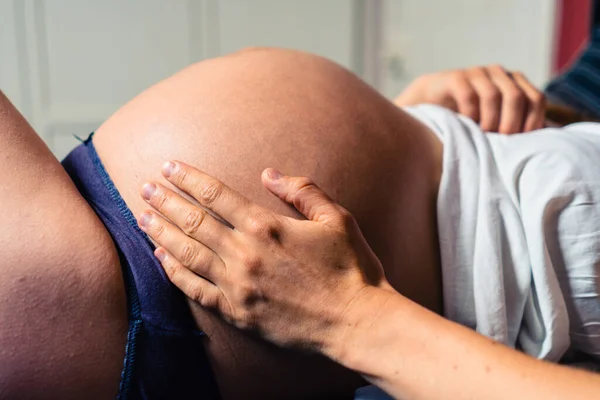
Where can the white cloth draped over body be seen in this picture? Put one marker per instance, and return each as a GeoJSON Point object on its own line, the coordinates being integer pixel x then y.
{"type": "Point", "coordinates": [519, 232]}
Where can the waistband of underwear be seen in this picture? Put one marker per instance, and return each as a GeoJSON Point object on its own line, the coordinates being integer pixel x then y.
{"type": "Point", "coordinates": [155, 307]}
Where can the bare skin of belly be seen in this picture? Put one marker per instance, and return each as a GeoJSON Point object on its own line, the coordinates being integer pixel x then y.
{"type": "Point", "coordinates": [234, 116]}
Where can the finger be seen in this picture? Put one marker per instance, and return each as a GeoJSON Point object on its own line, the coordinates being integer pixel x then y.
{"type": "Point", "coordinates": [536, 103]}
{"type": "Point", "coordinates": [464, 96]}
{"type": "Point", "coordinates": [490, 99]}
{"type": "Point", "coordinates": [193, 286]}
{"type": "Point", "coordinates": [209, 192]}
{"type": "Point", "coordinates": [514, 106]}
{"type": "Point", "coordinates": [303, 194]}
{"type": "Point", "coordinates": [188, 252]}
{"type": "Point", "coordinates": [191, 219]}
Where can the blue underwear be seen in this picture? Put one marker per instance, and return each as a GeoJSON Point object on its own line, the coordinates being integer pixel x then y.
{"type": "Point", "coordinates": [164, 356]}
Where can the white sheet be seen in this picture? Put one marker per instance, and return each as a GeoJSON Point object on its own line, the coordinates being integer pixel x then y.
{"type": "Point", "coordinates": [519, 229]}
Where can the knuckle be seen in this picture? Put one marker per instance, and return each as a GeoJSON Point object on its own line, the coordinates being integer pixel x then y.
{"type": "Point", "coordinates": [209, 192]}
{"type": "Point", "coordinates": [467, 96]}
{"type": "Point", "coordinates": [193, 221]}
{"type": "Point", "coordinates": [245, 291]}
{"type": "Point", "coordinates": [514, 97]}
{"type": "Point", "coordinates": [209, 301]}
{"type": "Point", "coordinates": [246, 319]}
{"type": "Point", "coordinates": [180, 175]}
{"type": "Point", "coordinates": [249, 296]}
{"type": "Point", "coordinates": [303, 187]}
{"type": "Point", "coordinates": [196, 294]}
{"type": "Point", "coordinates": [252, 263]}
{"type": "Point", "coordinates": [188, 255]}
{"type": "Point", "coordinates": [264, 227]}
{"type": "Point", "coordinates": [161, 198]}
{"type": "Point", "coordinates": [480, 70]}
{"type": "Point", "coordinates": [458, 80]}
{"type": "Point", "coordinates": [257, 226]}
{"type": "Point", "coordinates": [492, 95]}
{"type": "Point", "coordinates": [172, 271]}
{"type": "Point", "coordinates": [345, 218]}
{"type": "Point", "coordinates": [303, 183]}
{"type": "Point", "coordinates": [462, 91]}
{"type": "Point", "coordinates": [203, 258]}
{"type": "Point", "coordinates": [518, 74]}
{"type": "Point", "coordinates": [158, 231]}
{"type": "Point", "coordinates": [457, 77]}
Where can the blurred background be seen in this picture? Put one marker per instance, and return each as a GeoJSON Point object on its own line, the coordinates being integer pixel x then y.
{"type": "Point", "coordinates": [69, 64]}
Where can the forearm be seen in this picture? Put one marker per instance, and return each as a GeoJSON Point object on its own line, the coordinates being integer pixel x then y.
{"type": "Point", "coordinates": [412, 353]}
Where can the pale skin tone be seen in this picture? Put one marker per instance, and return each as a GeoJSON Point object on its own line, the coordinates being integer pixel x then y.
{"type": "Point", "coordinates": [316, 283]}
{"type": "Point", "coordinates": [499, 100]}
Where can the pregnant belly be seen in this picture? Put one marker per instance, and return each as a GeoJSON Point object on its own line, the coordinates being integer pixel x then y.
{"type": "Point", "coordinates": [235, 116]}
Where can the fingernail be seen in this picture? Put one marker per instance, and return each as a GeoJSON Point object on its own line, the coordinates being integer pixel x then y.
{"type": "Point", "coordinates": [160, 255]}
{"type": "Point", "coordinates": [168, 168]}
{"type": "Point", "coordinates": [274, 174]}
{"type": "Point", "coordinates": [148, 190]}
{"type": "Point", "coordinates": [145, 219]}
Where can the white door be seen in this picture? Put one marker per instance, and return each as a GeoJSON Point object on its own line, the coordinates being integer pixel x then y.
{"type": "Point", "coordinates": [421, 36]}
{"type": "Point", "coordinates": [69, 64]}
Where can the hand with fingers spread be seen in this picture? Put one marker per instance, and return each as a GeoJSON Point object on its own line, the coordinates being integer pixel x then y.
{"type": "Point", "coordinates": [291, 280]}
{"type": "Point", "coordinates": [316, 284]}
{"type": "Point", "coordinates": [500, 101]}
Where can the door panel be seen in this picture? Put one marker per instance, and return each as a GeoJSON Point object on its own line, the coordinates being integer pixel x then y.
{"type": "Point", "coordinates": [69, 64]}
{"type": "Point", "coordinates": [423, 36]}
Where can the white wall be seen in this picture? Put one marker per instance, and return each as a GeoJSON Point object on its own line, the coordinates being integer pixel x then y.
{"type": "Point", "coordinates": [69, 64]}
{"type": "Point", "coordinates": [319, 26]}
{"type": "Point", "coordinates": [432, 35]}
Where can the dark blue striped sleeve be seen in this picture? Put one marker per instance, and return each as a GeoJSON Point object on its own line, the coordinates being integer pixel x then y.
{"type": "Point", "coordinates": [579, 86]}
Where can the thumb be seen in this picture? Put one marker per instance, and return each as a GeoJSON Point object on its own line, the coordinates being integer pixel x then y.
{"type": "Point", "coordinates": [303, 194]}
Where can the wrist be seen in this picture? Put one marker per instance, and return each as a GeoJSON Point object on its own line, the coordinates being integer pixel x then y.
{"type": "Point", "coordinates": [355, 323]}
